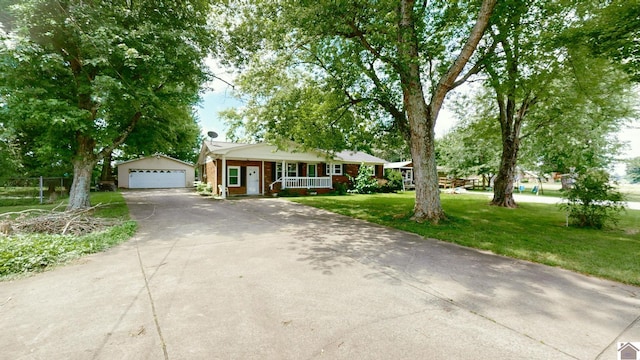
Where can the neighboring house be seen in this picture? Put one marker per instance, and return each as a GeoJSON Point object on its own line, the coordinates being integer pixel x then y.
{"type": "Point", "coordinates": [406, 169]}
{"type": "Point", "coordinates": [157, 171]}
{"type": "Point", "coordinates": [260, 169]}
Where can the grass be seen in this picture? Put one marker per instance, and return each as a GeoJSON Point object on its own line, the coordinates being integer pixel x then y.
{"type": "Point", "coordinates": [29, 253]}
{"type": "Point", "coordinates": [534, 232]}
{"type": "Point", "coordinates": [27, 196]}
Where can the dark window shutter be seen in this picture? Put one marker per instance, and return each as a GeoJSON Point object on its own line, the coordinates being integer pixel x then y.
{"type": "Point", "coordinates": [344, 169]}
{"type": "Point", "coordinates": [273, 171]}
{"type": "Point", "coordinates": [243, 176]}
{"type": "Point", "coordinates": [377, 173]}
{"type": "Point", "coordinates": [321, 169]}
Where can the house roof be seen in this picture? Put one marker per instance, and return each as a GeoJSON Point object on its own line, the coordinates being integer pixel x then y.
{"type": "Point", "coordinates": [156, 155]}
{"type": "Point", "coordinates": [358, 157]}
{"type": "Point", "coordinates": [221, 146]}
{"type": "Point", "coordinates": [399, 165]}
{"type": "Point", "coordinates": [264, 151]}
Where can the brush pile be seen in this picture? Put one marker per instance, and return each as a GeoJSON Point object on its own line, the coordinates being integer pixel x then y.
{"type": "Point", "coordinates": [78, 222]}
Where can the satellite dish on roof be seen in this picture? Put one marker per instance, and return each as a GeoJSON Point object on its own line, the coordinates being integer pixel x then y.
{"type": "Point", "coordinates": [212, 134]}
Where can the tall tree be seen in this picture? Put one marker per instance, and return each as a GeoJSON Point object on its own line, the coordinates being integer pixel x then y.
{"type": "Point", "coordinates": [397, 58]}
{"type": "Point", "coordinates": [85, 74]}
{"type": "Point", "coordinates": [539, 80]}
{"type": "Point", "coordinates": [582, 120]}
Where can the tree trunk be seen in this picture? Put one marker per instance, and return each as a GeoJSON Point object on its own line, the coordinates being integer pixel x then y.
{"type": "Point", "coordinates": [83, 165]}
{"type": "Point", "coordinates": [81, 186]}
{"type": "Point", "coordinates": [105, 174]}
{"type": "Point", "coordinates": [427, 205]}
{"type": "Point", "coordinates": [422, 117]}
{"type": "Point", "coordinates": [503, 184]}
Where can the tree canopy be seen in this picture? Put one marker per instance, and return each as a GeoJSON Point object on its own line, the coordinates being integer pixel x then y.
{"type": "Point", "coordinates": [77, 78]}
{"type": "Point", "coordinates": [333, 74]}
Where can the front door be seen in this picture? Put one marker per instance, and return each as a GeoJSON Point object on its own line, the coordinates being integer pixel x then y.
{"type": "Point", "coordinates": [253, 180]}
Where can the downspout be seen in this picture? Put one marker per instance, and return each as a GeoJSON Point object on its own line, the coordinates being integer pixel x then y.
{"type": "Point", "coordinates": [224, 177]}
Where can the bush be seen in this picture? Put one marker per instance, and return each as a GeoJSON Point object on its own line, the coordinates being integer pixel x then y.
{"type": "Point", "coordinates": [340, 188]}
{"type": "Point", "coordinates": [364, 182]}
{"type": "Point", "coordinates": [592, 201]}
{"type": "Point", "coordinates": [394, 180]}
{"type": "Point", "coordinates": [204, 188]}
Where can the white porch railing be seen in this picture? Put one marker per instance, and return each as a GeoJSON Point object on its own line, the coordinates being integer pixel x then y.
{"type": "Point", "coordinates": [304, 183]}
{"type": "Point", "coordinates": [307, 182]}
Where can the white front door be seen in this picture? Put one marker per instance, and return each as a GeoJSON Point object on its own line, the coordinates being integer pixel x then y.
{"type": "Point", "coordinates": [253, 180]}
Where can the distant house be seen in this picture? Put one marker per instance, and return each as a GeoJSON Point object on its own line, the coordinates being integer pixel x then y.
{"type": "Point", "coordinates": [406, 169]}
{"type": "Point", "coordinates": [261, 169]}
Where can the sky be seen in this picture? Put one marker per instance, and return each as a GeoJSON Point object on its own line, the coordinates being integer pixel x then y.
{"type": "Point", "coordinates": [220, 97]}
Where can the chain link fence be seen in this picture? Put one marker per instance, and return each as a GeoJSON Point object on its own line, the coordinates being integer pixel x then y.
{"type": "Point", "coordinates": [27, 191]}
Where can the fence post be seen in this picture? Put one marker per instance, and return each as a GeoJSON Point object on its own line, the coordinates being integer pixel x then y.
{"type": "Point", "coordinates": [40, 189]}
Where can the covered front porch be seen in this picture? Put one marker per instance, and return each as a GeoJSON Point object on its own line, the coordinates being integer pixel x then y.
{"type": "Point", "coordinates": [300, 175]}
{"type": "Point", "coordinates": [250, 177]}
{"type": "Point", "coordinates": [303, 182]}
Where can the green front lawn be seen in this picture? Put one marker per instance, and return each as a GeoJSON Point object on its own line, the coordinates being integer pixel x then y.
{"type": "Point", "coordinates": [35, 252]}
{"type": "Point", "coordinates": [534, 232]}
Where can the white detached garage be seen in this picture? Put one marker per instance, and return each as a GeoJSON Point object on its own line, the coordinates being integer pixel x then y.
{"type": "Point", "coordinates": [155, 172]}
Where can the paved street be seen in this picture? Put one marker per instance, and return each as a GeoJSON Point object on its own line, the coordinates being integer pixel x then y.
{"type": "Point", "coordinates": [269, 279]}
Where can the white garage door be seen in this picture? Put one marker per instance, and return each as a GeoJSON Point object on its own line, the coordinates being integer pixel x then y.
{"type": "Point", "coordinates": [154, 179]}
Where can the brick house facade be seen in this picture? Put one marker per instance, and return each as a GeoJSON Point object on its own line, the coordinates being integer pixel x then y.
{"type": "Point", "coordinates": [257, 169]}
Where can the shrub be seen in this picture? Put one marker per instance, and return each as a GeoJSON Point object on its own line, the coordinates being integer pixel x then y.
{"type": "Point", "coordinates": [592, 201]}
{"type": "Point", "coordinates": [394, 180]}
{"type": "Point", "coordinates": [340, 188]}
{"type": "Point", "coordinates": [364, 182]}
{"type": "Point", "coordinates": [204, 188]}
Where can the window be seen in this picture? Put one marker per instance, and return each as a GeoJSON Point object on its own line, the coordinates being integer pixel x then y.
{"type": "Point", "coordinates": [233, 176]}
{"type": "Point", "coordinates": [334, 169]}
{"type": "Point", "coordinates": [372, 169]}
{"type": "Point", "coordinates": [312, 170]}
{"type": "Point", "coordinates": [292, 170]}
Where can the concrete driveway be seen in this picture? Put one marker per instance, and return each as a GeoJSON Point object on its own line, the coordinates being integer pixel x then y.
{"type": "Point", "coordinates": [269, 279]}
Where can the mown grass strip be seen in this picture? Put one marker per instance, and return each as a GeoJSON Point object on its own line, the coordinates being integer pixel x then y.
{"type": "Point", "coordinates": [534, 232]}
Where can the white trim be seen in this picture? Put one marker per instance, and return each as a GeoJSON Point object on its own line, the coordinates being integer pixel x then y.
{"type": "Point", "coordinates": [285, 165]}
{"type": "Point", "coordinates": [239, 176]}
{"type": "Point", "coordinates": [330, 169]}
{"type": "Point", "coordinates": [224, 177]}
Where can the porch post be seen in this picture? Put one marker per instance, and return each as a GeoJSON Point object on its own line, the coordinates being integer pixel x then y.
{"type": "Point", "coordinates": [284, 174]}
{"type": "Point", "coordinates": [224, 177]}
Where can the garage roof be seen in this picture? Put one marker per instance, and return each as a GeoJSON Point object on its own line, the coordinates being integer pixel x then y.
{"type": "Point", "coordinates": [156, 156]}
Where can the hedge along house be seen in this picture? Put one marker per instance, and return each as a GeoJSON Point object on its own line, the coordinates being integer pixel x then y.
{"type": "Point", "coordinates": [153, 172]}
{"type": "Point", "coordinates": [261, 169]}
